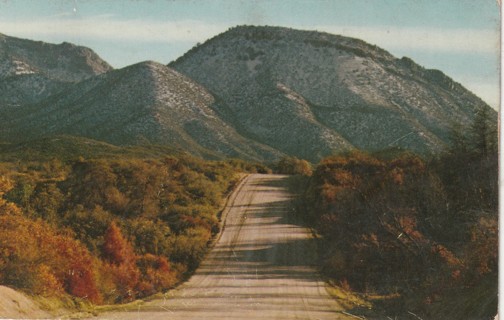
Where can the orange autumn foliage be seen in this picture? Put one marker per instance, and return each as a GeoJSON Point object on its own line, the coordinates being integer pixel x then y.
{"type": "Point", "coordinates": [120, 263]}
{"type": "Point", "coordinates": [157, 274]}
{"type": "Point", "coordinates": [116, 249]}
{"type": "Point", "coordinates": [6, 207]}
{"type": "Point", "coordinates": [108, 230]}
{"type": "Point", "coordinates": [35, 258]}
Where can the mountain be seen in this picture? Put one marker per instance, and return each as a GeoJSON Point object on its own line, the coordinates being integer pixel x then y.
{"type": "Point", "coordinates": [146, 103]}
{"type": "Point", "coordinates": [310, 94]}
{"type": "Point", "coordinates": [258, 93]}
{"type": "Point", "coordinates": [32, 70]}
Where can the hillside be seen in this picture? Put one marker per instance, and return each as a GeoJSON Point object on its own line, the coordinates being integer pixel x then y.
{"type": "Point", "coordinates": [63, 62]}
{"type": "Point", "coordinates": [147, 103]}
{"type": "Point", "coordinates": [257, 93]}
{"type": "Point", "coordinates": [33, 70]}
{"type": "Point", "coordinates": [310, 94]}
{"type": "Point", "coordinates": [67, 148]}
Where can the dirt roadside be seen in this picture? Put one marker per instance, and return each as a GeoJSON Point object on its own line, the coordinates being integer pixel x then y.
{"type": "Point", "coordinates": [16, 305]}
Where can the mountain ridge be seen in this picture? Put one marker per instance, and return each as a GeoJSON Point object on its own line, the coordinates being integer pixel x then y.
{"type": "Point", "coordinates": [253, 92]}
{"type": "Point", "coordinates": [343, 81]}
{"type": "Point", "coordinates": [31, 71]}
{"type": "Point", "coordinates": [64, 62]}
{"type": "Point", "coordinates": [145, 103]}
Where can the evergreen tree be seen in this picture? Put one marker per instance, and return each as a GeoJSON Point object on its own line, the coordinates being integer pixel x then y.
{"type": "Point", "coordinates": [484, 133]}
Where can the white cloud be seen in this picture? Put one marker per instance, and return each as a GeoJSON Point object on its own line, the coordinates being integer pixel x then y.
{"type": "Point", "coordinates": [426, 39]}
{"type": "Point", "coordinates": [106, 27]}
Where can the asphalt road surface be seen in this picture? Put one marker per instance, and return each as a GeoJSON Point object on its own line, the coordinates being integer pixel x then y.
{"type": "Point", "coordinates": [262, 266]}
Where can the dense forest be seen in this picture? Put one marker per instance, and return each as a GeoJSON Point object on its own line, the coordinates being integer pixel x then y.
{"type": "Point", "coordinates": [422, 235]}
{"type": "Point", "coordinates": [413, 235]}
{"type": "Point", "coordinates": [109, 230]}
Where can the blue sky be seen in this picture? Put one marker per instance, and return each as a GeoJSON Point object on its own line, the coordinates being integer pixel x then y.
{"type": "Point", "coordinates": [459, 37]}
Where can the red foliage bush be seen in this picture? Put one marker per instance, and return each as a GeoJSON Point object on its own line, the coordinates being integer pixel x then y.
{"type": "Point", "coordinates": [37, 259]}
{"type": "Point", "coordinates": [157, 274]}
{"type": "Point", "coordinates": [116, 249]}
{"type": "Point", "coordinates": [120, 263]}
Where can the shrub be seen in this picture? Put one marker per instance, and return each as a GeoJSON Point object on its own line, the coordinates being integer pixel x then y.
{"type": "Point", "coordinates": [400, 226]}
{"type": "Point", "coordinates": [36, 259]}
{"type": "Point", "coordinates": [292, 165]}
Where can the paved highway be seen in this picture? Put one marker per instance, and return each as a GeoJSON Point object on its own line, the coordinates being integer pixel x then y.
{"type": "Point", "coordinates": [262, 266]}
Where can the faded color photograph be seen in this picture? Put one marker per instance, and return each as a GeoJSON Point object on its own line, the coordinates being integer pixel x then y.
{"type": "Point", "coordinates": [249, 159]}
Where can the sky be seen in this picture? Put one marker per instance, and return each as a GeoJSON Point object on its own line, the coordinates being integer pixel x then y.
{"type": "Point", "coordinates": [459, 37]}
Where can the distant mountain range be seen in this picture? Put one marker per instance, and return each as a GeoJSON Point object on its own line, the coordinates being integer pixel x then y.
{"type": "Point", "coordinates": [252, 92]}
{"type": "Point", "coordinates": [32, 70]}
{"type": "Point", "coordinates": [146, 103]}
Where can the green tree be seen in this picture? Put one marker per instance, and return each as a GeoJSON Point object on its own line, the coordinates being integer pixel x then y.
{"type": "Point", "coordinates": [459, 142]}
{"type": "Point", "coordinates": [484, 133]}
{"type": "Point", "coordinates": [46, 201]}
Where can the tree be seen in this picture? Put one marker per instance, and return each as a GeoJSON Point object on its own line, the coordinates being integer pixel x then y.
{"type": "Point", "coordinates": [484, 133]}
{"type": "Point", "coordinates": [35, 257]}
{"type": "Point", "coordinates": [6, 207]}
{"type": "Point", "coordinates": [116, 249]}
{"type": "Point", "coordinates": [46, 200]}
{"type": "Point", "coordinates": [122, 268]}
{"type": "Point", "coordinates": [458, 140]}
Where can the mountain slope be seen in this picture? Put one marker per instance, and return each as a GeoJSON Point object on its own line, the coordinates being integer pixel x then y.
{"type": "Point", "coordinates": [251, 92]}
{"type": "Point", "coordinates": [34, 70]}
{"type": "Point", "coordinates": [309, 94]}
{"type": "Point", "coordinates": [64, 147]}
{"type": "Point", "coordinates": [147, 103]}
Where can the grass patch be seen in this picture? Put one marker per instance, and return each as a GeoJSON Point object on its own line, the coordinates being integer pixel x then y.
{"type": "Point", "coordinates": [65, 307]}
{"type": "Point", "coordinates": [348, 299]}
{"type": "Point", "coordinates": [364, 306]}
{"type": "Point", "coordinates": [130, 306]}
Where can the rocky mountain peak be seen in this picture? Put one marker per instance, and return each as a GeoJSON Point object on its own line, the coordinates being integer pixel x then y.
{"type": "Point", "coordinates": [336, 91]}
{"type": "Point", "coordinates": [33, 70]}
{"type": "Point", "coordinates": [64, 62]}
